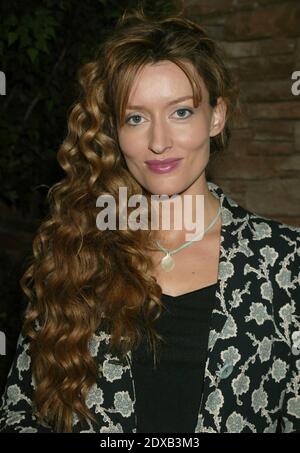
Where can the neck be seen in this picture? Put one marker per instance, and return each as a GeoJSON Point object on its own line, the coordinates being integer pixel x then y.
{"type": "Point", "coordinates": [172, 238]}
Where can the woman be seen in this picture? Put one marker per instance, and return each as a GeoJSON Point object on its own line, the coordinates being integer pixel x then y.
{"type": "Point", "coordinates": [146, 330]}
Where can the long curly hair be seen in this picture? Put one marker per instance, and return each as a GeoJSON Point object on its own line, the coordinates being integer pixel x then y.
{"type": "Point", "coordinates": [79, 278]}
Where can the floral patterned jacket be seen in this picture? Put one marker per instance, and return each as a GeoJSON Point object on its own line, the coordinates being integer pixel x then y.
{"type": "Point", "coordinates": [252, 372]}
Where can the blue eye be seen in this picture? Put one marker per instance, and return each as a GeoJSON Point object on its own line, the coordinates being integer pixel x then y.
{"type": "Point", "coordinates": [133, 116]}
{"type": "Point", "coordinates": [184, 110]}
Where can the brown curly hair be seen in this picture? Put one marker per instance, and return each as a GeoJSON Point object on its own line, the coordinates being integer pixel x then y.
{"type": "Point", "coordinates": [81, 279]}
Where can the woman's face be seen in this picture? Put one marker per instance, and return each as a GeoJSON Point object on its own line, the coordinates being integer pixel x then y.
{"type": "Point", "coordinates": [160, 125]}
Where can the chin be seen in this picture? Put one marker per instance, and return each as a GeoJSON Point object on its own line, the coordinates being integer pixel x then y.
{"type": "Point", "coordinates": [167, 191]}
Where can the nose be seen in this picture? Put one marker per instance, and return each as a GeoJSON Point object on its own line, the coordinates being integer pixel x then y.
{"type": "Point", "coordinates": [160, 138]}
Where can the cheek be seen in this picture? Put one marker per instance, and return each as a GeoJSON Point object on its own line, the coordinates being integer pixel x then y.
{"type": "Point", "coordinates": [193, 137]}
{"type": "Point", "coordinates": [129, 144]}
{"type": "Point", "coordinates": [197, 129]}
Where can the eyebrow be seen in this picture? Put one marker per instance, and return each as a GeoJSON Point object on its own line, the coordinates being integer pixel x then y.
{"type": "Point", "coordinates": [175, 101]}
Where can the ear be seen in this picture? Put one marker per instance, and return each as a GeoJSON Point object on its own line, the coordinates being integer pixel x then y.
{"type": "Point", "coordinates": [218, 118]}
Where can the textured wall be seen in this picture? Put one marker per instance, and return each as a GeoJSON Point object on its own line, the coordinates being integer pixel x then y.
{"type": "Point", "coordinates": [261, 169]}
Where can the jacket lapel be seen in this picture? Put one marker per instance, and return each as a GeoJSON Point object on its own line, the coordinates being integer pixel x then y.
{"type": "Point", "coordinates": [221, 360]}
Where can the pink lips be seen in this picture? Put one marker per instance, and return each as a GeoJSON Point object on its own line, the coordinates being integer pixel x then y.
{"type": "Point", "coordinates": [163, 166]}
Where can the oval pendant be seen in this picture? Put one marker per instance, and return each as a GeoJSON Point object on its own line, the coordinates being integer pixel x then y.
{"type": "Point", "coordinates": [167, 263]}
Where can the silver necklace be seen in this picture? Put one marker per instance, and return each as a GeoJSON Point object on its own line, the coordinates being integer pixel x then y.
{"type": "Point", "coordinates": [167, 263]}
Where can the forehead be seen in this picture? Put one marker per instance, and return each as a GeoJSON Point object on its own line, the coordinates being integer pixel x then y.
{"type": "Point", "coordinates": [161, 81]}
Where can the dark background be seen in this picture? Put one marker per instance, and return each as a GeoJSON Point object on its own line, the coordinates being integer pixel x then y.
{"type": "Point", "coordinates": [42, 45]}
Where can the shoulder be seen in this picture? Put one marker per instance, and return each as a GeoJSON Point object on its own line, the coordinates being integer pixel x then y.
{"type": "Point", "coordinates": [271, 249]}
{"type": "Point", "coordinates": [261, 230]}
{"type": "Point", "coordinates": [273, 267]}
{"type": "Point", "coordinates": [276, 248]}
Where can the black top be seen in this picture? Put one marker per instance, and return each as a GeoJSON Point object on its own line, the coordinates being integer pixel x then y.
{"type": "Point", "coordinates": [168, 397]}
